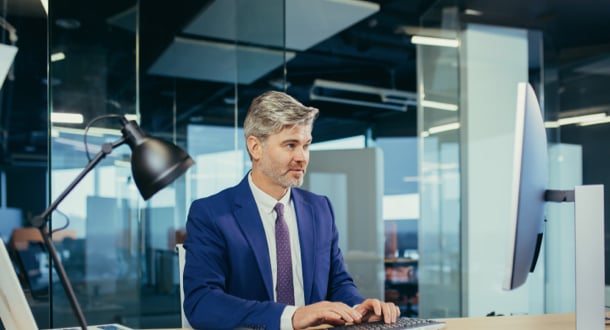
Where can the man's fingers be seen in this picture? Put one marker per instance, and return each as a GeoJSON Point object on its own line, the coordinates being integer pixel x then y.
{"type": "Point", "coordinates": [348, 314]}
{"type": "Point", "coordinates": [334, 313]}
{"type": "Point", "coordinates": [378, 307]}
{"type": "Point", "coordinates": [390, 312]}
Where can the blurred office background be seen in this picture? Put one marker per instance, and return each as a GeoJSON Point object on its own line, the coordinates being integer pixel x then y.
{"type": "Point", "coordinates": [413, 144]}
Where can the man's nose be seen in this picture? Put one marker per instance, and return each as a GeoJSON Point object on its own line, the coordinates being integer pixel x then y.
{"type": "Point", "coordinates": [301, 154]}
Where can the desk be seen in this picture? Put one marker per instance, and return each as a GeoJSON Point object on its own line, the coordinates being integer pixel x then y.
{"type": "Point", "coordinates": [520, 322]}
{"type": "Point", "coordinates": [517, 322]}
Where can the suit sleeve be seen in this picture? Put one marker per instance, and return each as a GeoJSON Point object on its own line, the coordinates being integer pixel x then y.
{"type": "Point", "coordinates": [207, 303]}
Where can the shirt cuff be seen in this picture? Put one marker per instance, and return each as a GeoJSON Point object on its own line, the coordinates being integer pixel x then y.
{"type": "Point", "coordinates": [286, 318]}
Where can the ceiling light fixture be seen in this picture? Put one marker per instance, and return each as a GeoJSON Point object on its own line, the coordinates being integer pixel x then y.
{"type": "Point", "coordinates": [473, 12]}
{"type": "Point", "coordinates": [443, 128]}
{"type": "Point", "coordinates": [581, 119]}
{"type": "Point", "coordinates": [433, 41]}
{"type": "Point", "coordinates": [59, 56]}
{"type": "Point", "coordinates": [93, 131]}
{"type": "Point", "coordinates": [551, 124]}
{"type": "Point", "coordinates": [603, 120]}
{"type": "Point", "coordinates": [439, 105]}
{"type": "Point", "coordinates": [132, 117]}
{"type": "Point", "coordinates": [376, 97]}
{"type": "Point", "coordinates": [66, 118]}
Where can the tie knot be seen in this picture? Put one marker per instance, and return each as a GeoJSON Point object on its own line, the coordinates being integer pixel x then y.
{"type": "Point", "coordinates": [279, 208]}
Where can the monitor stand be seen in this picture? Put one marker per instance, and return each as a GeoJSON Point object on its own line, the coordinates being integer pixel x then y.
{"type": "Point", "coordinates": [589, 244]}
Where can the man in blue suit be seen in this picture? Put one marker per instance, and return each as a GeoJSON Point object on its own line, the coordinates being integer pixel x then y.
{"type": "Point", "coordinates": [236, 274]}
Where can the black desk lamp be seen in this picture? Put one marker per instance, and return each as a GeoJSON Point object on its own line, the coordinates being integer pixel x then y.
{"type": "Point", "coordinates": [154, 164]}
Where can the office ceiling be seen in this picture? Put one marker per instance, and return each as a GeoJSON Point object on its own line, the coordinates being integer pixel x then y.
{"type": "Point", "coordinates": [188, 54]}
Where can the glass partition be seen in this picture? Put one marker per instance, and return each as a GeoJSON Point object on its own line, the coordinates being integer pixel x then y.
{"type": "Point", "coordinates": [439, 112]}
{"type": "Point", "coordinates": [580, 129]}
{"type": "Point", "coordinates": [178, 74]}
{"type": "Point", "coordinates": [102, 220]}
{"type": "Point", "coordinates": [466, 116]}
{"type": "Point", "coordinates": [253, 42]}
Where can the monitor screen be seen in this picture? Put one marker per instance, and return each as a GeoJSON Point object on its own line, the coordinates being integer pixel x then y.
{"type": "Point", "coordinates": [529, 184]}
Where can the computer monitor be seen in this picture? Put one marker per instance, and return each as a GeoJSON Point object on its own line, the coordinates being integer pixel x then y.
{"type": "Point", "coordinates": [530, 179]}
{"type": "Point", "coordinates": [15, 313]}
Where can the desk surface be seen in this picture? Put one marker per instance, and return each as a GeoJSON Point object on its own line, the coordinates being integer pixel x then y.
{"type": "Point", "coordinates": [521, 322]}
{"type": "Point", "coordinates": [516, 322]}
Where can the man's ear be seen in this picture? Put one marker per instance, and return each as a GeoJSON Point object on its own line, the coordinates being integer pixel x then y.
{"type": "Point", "coordinates": [254, 147]}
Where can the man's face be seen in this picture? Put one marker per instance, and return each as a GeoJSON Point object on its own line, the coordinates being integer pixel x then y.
{"type": "Point", "coordinates": [283, 157]}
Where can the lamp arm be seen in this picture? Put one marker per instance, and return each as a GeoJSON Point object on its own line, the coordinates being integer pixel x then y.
{"type": "Point", "coordinates": [41, 220]}
{"type": "Point", "coordinates": [65, 282]}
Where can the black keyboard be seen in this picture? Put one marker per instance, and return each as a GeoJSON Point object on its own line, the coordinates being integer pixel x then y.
{"type": "Point", "coordinates": [401, 323]}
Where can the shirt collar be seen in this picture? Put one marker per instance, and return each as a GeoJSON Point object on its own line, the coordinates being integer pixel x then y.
{"type": "Point", "coordinates": [264, 201]}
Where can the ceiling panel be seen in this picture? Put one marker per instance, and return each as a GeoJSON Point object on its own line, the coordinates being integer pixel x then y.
{"type": "Point", "coordinates": [216, 61]}
{"type": "Point", "coordinates": [308, 22]}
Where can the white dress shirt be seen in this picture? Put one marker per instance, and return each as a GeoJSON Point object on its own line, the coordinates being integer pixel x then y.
{"type": "Point", "coordinates": [266, 204]}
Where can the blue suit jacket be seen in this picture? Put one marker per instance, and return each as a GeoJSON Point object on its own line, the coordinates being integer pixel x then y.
{"type": "Point", "coordinates": [227, 275]}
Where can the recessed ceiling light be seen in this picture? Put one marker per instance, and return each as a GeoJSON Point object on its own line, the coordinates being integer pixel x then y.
{"type": "Point", "coordinates": [439, 105]}
{"type": "Point", "coordinates": [433, 41]}
{"type": "Point", "coordinates": [68, 23]}
{"type": "Point", "coordinates": [581, 119]}
{"type": "Point", "coordinates": [473, 12]}
{"type": "Point", "coordinates": [444, 128]}
{"type": "Point", "coordinates": [66, 118]}
{"type": "Point", "coordinates": [56, 57]}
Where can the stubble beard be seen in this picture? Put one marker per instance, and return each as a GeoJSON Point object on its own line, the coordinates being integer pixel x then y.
{"type": "Point", "coordinates": [281, 177]}
{"type": "Point", "coordinates": [286, 181]}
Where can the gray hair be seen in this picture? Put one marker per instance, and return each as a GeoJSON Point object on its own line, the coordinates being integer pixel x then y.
{"type": "Point", "coordinates": [273, 111]}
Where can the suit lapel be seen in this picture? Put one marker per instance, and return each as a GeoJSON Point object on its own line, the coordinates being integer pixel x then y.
{"type": "Point", "coordinates": [307, 238]}
{"type": "Point", "coordinates": [249, 220]}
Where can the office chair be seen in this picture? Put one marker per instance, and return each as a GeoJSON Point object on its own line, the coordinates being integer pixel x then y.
{"type": "Point", "coordinates": [181, 251]}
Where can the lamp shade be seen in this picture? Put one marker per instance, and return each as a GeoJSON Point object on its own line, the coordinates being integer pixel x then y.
{"type": "Point", "coordinates": [155, 163]}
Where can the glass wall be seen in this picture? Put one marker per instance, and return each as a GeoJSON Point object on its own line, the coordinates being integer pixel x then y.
{"type": "Point", "coordinates": [439, 129]}
{"type": "Point", "coordinates": [103, 221]}
{"type": "Point", "coordinates": [466, 172]}
{"type": "Point", "coordinates": [580, 125]}
{"type": "Point", "coordinates": [188, 76]}
{"type": "Point", "coordinates": [140, 61]}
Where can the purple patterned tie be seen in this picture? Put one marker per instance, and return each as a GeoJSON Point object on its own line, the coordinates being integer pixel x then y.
{"type": "Point", "coordinates": [285, 288]}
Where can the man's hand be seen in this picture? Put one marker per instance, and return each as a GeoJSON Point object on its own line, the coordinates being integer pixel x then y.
{"type": "Point", "coordinates": [376, 310]}
{"type": "Point", "coordinates": [324, 312]}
